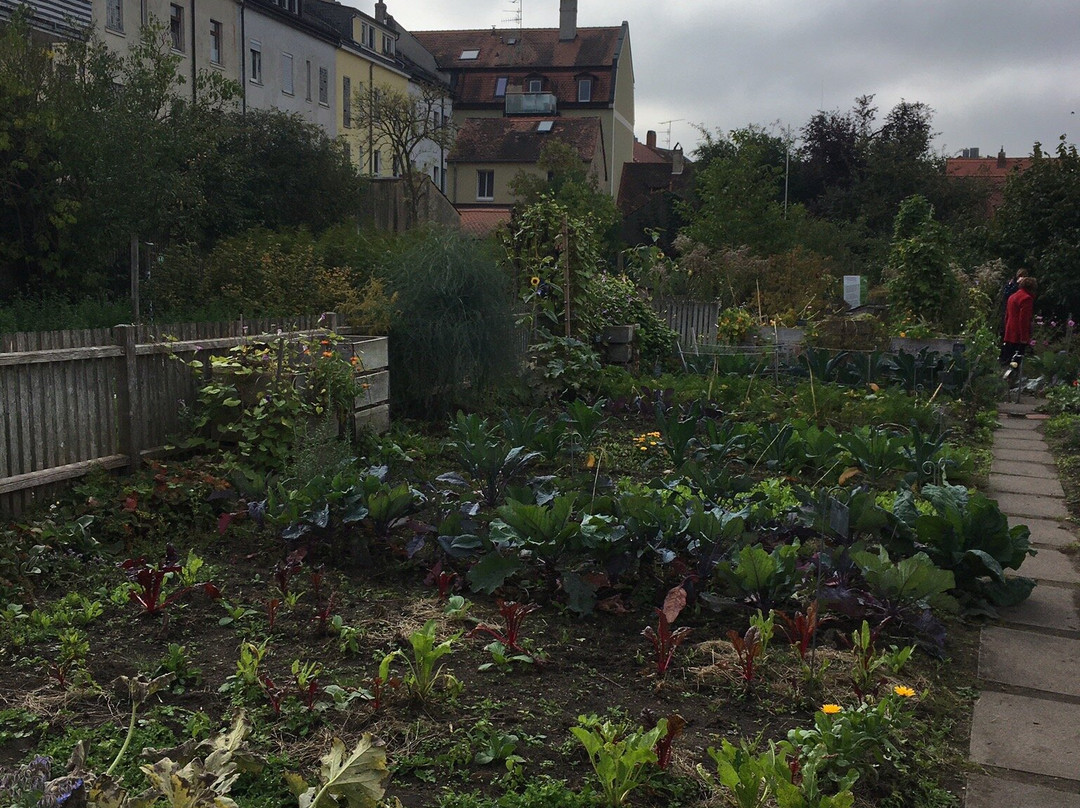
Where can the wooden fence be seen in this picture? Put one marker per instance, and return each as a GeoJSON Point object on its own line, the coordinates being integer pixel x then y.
{"type": "Point", "coordinates": [693, 320]}
{"type": "Point", "coordinates": [74, 400]}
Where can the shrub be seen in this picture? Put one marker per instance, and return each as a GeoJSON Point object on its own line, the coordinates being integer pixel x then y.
{"type": "Point", "coordinates": [615, 300]}
{"type": "Point", "coordinates": [451, 339]}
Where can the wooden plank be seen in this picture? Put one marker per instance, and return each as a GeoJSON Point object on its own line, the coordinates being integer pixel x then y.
{"type": "Point", "coordinates": [36, 479]}
{"type": "Point", "coordinates": [376, 419]}
{"type": "Point", "coordinates": [377, 390]}
{"type": "Point", "coordinates": [30, 357]}
{"type": "Point", "coordinates": [373, 353]}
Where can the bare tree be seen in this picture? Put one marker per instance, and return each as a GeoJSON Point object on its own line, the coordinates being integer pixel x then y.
{"type": "Point", "coordinates": [404, 122]}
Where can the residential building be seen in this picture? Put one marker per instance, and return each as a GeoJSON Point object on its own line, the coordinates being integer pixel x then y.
{"type": "Point", "coordinates": [53, 20]}
{"type": "Point", "coordinates": [554, 74]}
{"type": "Point", "coordinates": [276, 54]}
{"type": "Point", "coordinates": [489, 152]}
{"type": "Point", "coordinates": [994, 171]}
{"type": "Point", "coordinates": [366, 64]}
{"type": "Point", "coordinates": [652, 187]}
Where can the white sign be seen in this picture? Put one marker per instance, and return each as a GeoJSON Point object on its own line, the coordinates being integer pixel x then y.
{"type": "Point", "coordinates": [853, 290]}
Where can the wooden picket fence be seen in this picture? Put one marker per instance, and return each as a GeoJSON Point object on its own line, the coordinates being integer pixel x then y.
{"type": "Point", "coordinates": [693, 320]}
{"type": "Point", "coordinates": [71, 401]}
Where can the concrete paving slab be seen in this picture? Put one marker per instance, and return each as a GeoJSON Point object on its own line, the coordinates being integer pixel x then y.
{"type": "Point", "coordinates": [1018, 440]}
{"type": "Point", "coordinates": [1041, 456]}
{"type": "Point", "coordinates": [985, 791]}
{"type": "Point", "coordinates": [1046, 531]}
{"type": "Point", "coordinates": [1045, 486]}
{"type": "Point", "coordinates": [1026, 734]}
{"type": "Point", "coordinates": [1049, 565]}
{"type": "Point", "coordinates": [1056, 607]}
{"type": "Point", "coordinates": [1012, 424]}
{"type": "Point", "coordinates": [1029, 659]}
{"type": "Point", "coordinates": [1028, 505]}
{"type": "Point", "coordinates": [1023, 469]}
{"type": "Point", "coordinates": [1018, 408]}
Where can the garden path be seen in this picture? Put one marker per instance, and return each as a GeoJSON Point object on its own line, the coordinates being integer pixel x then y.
{"type": "Point", "coordinates": [1026, 728]}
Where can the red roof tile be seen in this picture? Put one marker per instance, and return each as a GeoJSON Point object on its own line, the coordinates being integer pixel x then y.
{"type": "Point", "coordinates": [592, 47]}
{"type": "Point", "coordinates": [482, 221]}
{"type": "Point", "coordinates": [643, 154]}
{"type": "Point", "coordinates": [517, 140]}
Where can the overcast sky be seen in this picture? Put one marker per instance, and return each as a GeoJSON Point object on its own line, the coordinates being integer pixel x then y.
{"type": "Point", "coordinates": [995, 72]}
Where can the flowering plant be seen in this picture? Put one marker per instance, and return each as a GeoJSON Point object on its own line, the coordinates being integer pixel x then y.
{"type": "Point", "coordinates": [733, 326]}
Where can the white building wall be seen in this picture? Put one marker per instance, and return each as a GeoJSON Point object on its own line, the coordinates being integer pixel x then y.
{"type": "Point", "coordinates": [428, 156]}
{"type": "Point", "coordinates": [276, 42]}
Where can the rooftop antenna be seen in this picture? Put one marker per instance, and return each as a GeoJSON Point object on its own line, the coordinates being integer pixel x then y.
{"type": "Point", "coordinates": [667, 135]}
{"type": "Point", "coordinates": [515, 18]}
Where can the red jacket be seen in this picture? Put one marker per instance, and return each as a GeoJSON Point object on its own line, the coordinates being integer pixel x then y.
{"type": "Point", "coordinates": [1018, 311]}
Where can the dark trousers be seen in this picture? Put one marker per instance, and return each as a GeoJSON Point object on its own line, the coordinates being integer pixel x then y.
{"type": "Point", "coordinates": [1011, 349]}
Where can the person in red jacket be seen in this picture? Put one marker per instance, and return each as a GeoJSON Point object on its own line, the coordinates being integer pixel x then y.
{"type": "Point", "coordinates": [1018, 313]}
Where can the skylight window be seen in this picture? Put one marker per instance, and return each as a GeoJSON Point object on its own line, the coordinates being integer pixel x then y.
{"type": "Point", "coordinates": [468, 55]}
{"type": "Point", "coordinates": [500, 86]}
{"type": "Point", "coordinates": [545, 126]}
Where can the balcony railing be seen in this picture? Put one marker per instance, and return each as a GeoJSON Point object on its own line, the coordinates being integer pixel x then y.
{"type": "Point", "coordinates": [530, 104]}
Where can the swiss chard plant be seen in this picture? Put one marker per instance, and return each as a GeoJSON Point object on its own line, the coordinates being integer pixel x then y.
{"type": "Point", "coordinates": [150, 582]}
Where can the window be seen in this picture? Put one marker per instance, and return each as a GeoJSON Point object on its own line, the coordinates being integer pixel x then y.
{"type": "Point", "coordinates": [435, 175]}
{"type": "Point", "coordinates": [584, 90]}
{"type": "Point", "coordinates": [367, 35]}
{"type": "Point", "coordinates": [286, 74]}
{"type": "Point", "coordinates": [346, 101]}
{"type": "Point", "coordinates": [307, 79]}
{"type": "Point", "coordinates": [485, 185]}
{"type": "Point", "coordinates": [545, 126]}
{"type": "Point", "coordinates": [397, 167]}
{"type": "Point", "coordinates": [469, 55]}
{"type": "Point", "coordinates": [500, 87]}
{"type": "Point", "coordinates": [376, 162]}
{"type": "Point", "coordinates": [176, 26]}
{"type": "Point", "coordinates": [535, 86]}
{"type": "Point", "coordinates": [255, 61]}
{"type": "Point", "coordinates": [114, 15]}
{"type": "Point", "coordinates": [388, 44]}
{"type": "Point", "coordinates": [215, 42]}
{"type": "Point", "coordinates": [348, 150]}
{"type": "Point", "coordinates": [324, 86]}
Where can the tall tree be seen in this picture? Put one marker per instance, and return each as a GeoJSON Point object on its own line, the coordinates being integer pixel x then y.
{"type": "Point", "coordinates": [403, 122]}
{"type": "Point", "coordinates": [1038, 225]}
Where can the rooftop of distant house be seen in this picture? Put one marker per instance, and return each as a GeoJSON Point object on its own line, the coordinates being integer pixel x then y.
{"type": "Point", "coordinates": [520, 139]}
{"type": "Point", "coordinates": [971, 164]}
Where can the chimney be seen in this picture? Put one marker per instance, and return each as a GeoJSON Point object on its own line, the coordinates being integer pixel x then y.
{"type": "Point", "coordinates": [567, 20]}
{"type": "Point", "coordinates": [650, 138]}
{"type": "Point", "coordinates": [380, 12]}
{"type": "Point", "coordinates": [677, 162]}
{"type": "Point", "coordinates": [1001, 158]}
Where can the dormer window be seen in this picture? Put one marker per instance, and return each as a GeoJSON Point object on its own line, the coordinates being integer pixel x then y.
{"type": "Point", "coordinates": [584, 89]}
{"type": "Point", "coordinates": [534, 86]}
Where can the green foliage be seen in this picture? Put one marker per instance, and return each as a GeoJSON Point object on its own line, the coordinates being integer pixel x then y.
{"type": "Point", "coordinates": [486, 456]}
{"type": "Point", "coordinates": [913, 581]}
{"type": "Point", "coordinates": [347, 778]}
{"type": "Point", "coordinates": [619, 755]}
{"type": "Point", "coordinates": [763, 578]}
{"type": "Point", "coordinates": [616, 300]}
{"type": "Point", "coordinates": [971, 537]}
{"type": "Point", "coordinates": [558, 367]}
{"type": "Point", "coordinates": [451, 337]}
{"type": "Point", "coordinates": [545, 244]}
{"type": "Point", "coordinates": [424, 665]}
{"type": "Point", "coordinates": [922, 282]}
{"type": "Point", "coordinates": [1036, 225]}
{"type": "Point", "coordinates": [538, 792]}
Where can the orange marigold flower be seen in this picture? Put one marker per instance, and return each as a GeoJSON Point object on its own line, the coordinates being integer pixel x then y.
{"type": "Point", "coordinates": [906, 692]}
{"type": "Point", "coordinates": [831, 709]}
{"type": "Point", "coordinates": [327, 354]}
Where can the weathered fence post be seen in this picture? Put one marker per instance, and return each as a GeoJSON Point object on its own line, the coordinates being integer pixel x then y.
{"type": "Point", "coordinates": [130, 427]}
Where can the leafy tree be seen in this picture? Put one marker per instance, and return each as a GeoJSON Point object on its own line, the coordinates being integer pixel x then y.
{"type": "Point", "coordinates": [403, 122]}
{"type": "Point", "coordinates": [739, 194]}
{"type": "Point", "coordinates": [563, 176]}
{"type": "Point", "coordinates": [1038, 225]}
{"type": "Point", "coordinates": [922, 283]}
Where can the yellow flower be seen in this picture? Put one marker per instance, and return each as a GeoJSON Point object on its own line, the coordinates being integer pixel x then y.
{"type": "Point", "coordinates": [831, 709]}
{"type": "Point", "coordinates": [906, 692]}
{"type": "Point", "coordinates": [590, 461]}
{"type": "Point", "coordinates": [903, 333]}
{"type": "Point", "coordinates": [534, 281]}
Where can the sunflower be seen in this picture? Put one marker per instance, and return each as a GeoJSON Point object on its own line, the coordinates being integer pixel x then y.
{"type": "Point", "coordinates": [534, 281]}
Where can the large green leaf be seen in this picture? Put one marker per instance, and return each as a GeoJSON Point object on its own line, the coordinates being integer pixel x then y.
{"type": "Point", "coordinates": [911, 580]}
{"type": "Point", "coordinates": [355, 779]}
{"type": "Point", "coordinates": [491, 571]}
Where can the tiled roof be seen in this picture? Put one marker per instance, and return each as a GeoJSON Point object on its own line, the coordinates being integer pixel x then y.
{"type": "Point", "coordinates": [640, 181]}
{"type": "Point", "coordinates": [517, 140]}
{"type": "Point", "coordinates": [482, 221]}
{"type": "Point", "coordinates": [532, 47]}
{"type": "Point", "coordinates": [988, 167]}
{"type": "Point", "coordinates": [644, 154]}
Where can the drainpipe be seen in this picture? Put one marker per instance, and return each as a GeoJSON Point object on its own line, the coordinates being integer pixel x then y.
{"type": "Point", "coordinates": [194, 49]}
{"type": "Point", "coordinates": [243, 62]}
{"type": "Point", "coordinates": [371, 123]}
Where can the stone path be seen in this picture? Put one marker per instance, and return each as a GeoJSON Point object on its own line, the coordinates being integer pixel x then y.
{"type": "Point", "coordinates": [1026, 729]}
